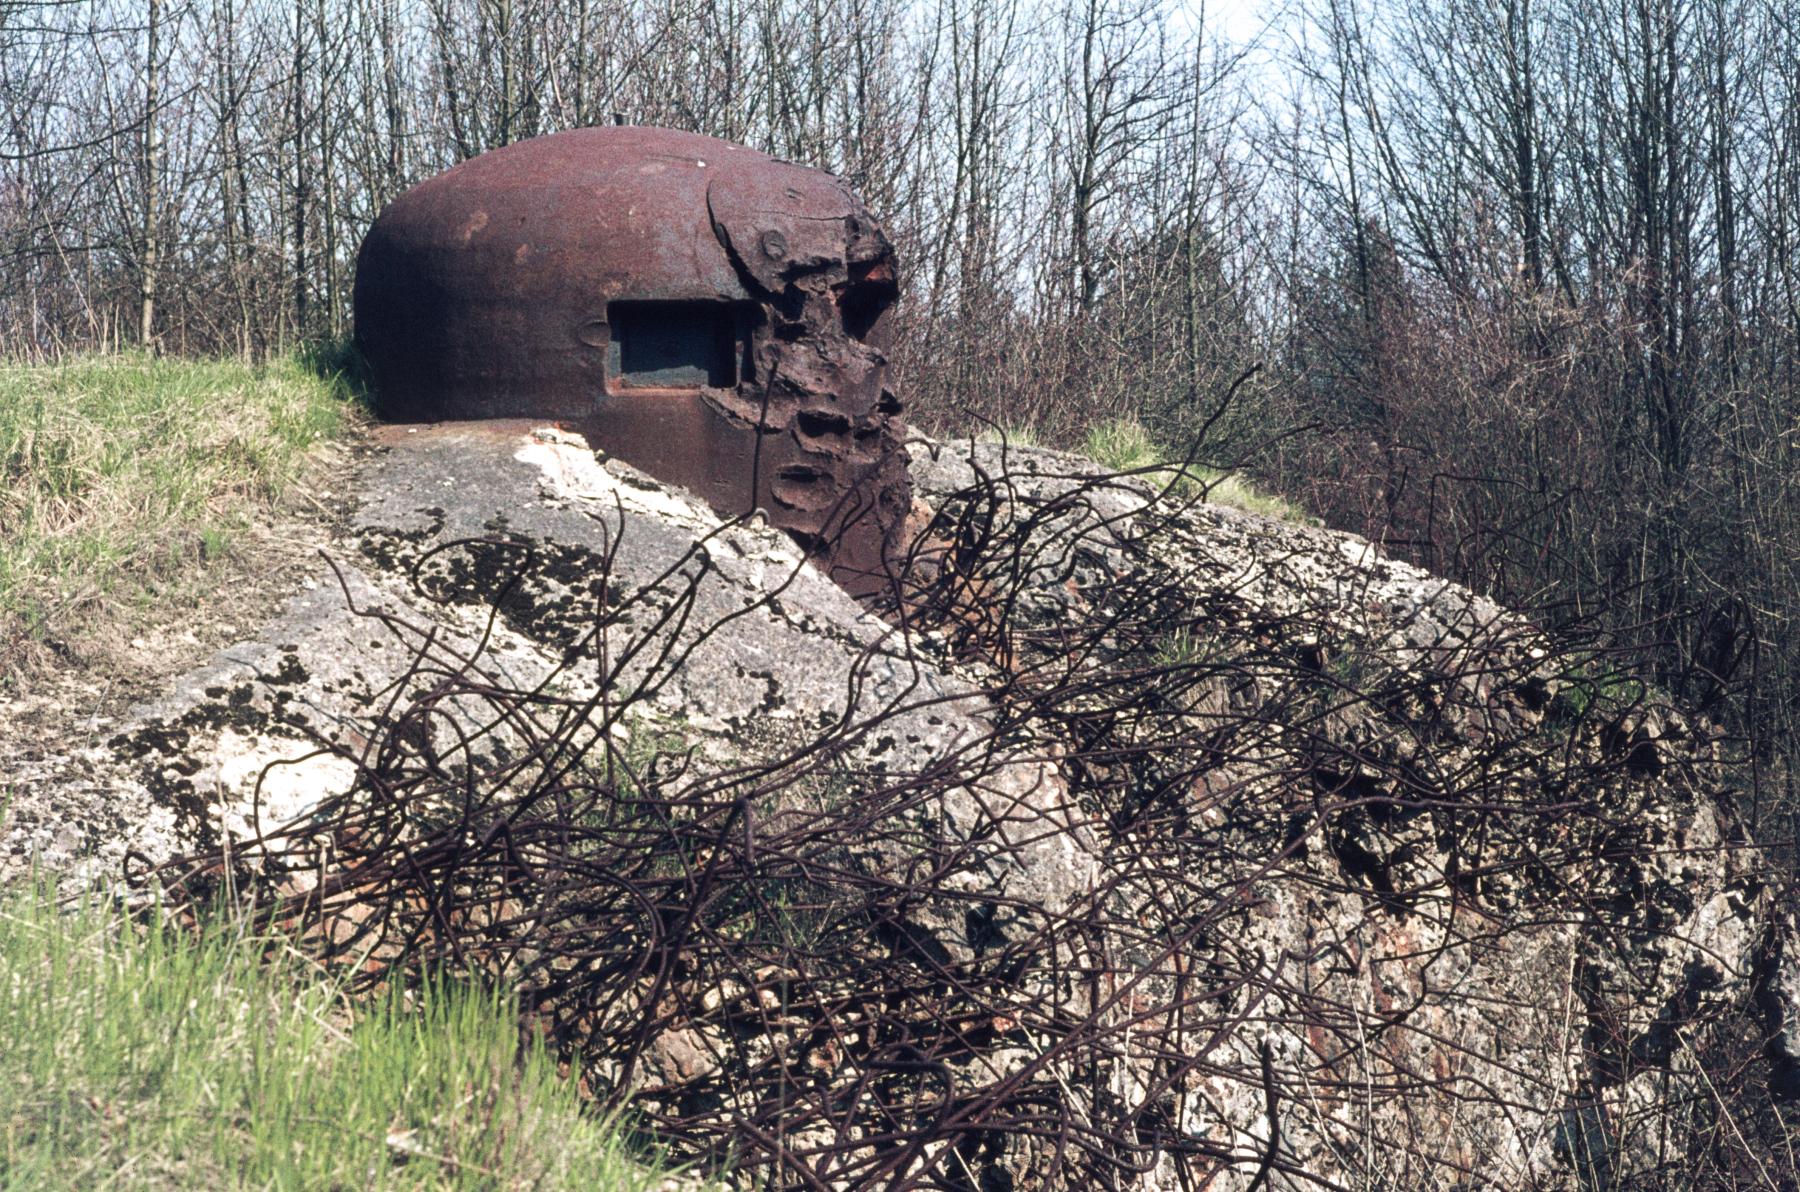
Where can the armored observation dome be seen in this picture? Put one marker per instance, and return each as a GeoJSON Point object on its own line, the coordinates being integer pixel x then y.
{"type": "Point", "coordinates": [703, 311]}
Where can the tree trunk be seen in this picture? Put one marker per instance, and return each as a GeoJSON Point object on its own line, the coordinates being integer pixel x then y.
{"type": "Point", "coordinates": [150, 172]}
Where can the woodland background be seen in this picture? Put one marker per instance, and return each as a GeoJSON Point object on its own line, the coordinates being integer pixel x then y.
{"type": "Point", "coordinates": [1511, 287]}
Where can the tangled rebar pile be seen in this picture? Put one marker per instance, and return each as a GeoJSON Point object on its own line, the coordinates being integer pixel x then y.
{"type": "Point", "coordinates": [1201, 853]}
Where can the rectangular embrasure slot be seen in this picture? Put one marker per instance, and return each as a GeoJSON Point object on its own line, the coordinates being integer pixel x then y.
{"type": "Point", "coordinates": [673, 345]}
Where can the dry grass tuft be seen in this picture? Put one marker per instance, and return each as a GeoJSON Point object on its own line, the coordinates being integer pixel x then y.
{"type": "Point", "coordinates": [1126, 446]}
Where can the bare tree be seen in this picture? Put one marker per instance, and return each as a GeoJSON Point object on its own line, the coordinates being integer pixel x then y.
{"type": "Point", "coordinates": [150, 170]}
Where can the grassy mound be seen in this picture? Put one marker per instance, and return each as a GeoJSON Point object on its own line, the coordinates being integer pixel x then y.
{"type": "Point", "coordinates": [150, 1058]}
{"type": "Point", "coordinates": [121, 477]}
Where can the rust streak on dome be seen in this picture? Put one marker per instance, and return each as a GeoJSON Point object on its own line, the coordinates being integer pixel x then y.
{"type": "Point", "coordinates": [703, 311]}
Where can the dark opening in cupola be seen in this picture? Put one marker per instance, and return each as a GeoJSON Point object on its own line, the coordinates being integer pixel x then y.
{"type": "Point", "coordinates": [675, 345]}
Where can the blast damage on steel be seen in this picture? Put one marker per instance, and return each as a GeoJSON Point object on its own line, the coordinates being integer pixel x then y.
{"type": "Point", "coordinates": [702, 311]}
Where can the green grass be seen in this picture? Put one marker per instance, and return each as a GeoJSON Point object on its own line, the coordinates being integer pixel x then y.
{"type": "Point", "coordinates": [120, 474]}
{"type": "Point", "coordinates": [1126, 446]}
{"type": "Point", "coordinates": [1183, 647]}
{"type": "Point", "coordinates": [1011, 436]}
{"type": "Point", "coordinates": [1600, 688]}
{"type": "Point", "coordinates": [136, 1057]}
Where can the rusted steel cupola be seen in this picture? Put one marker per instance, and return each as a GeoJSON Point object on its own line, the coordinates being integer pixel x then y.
{"type": "Point", "coordinates": [698, 309]}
